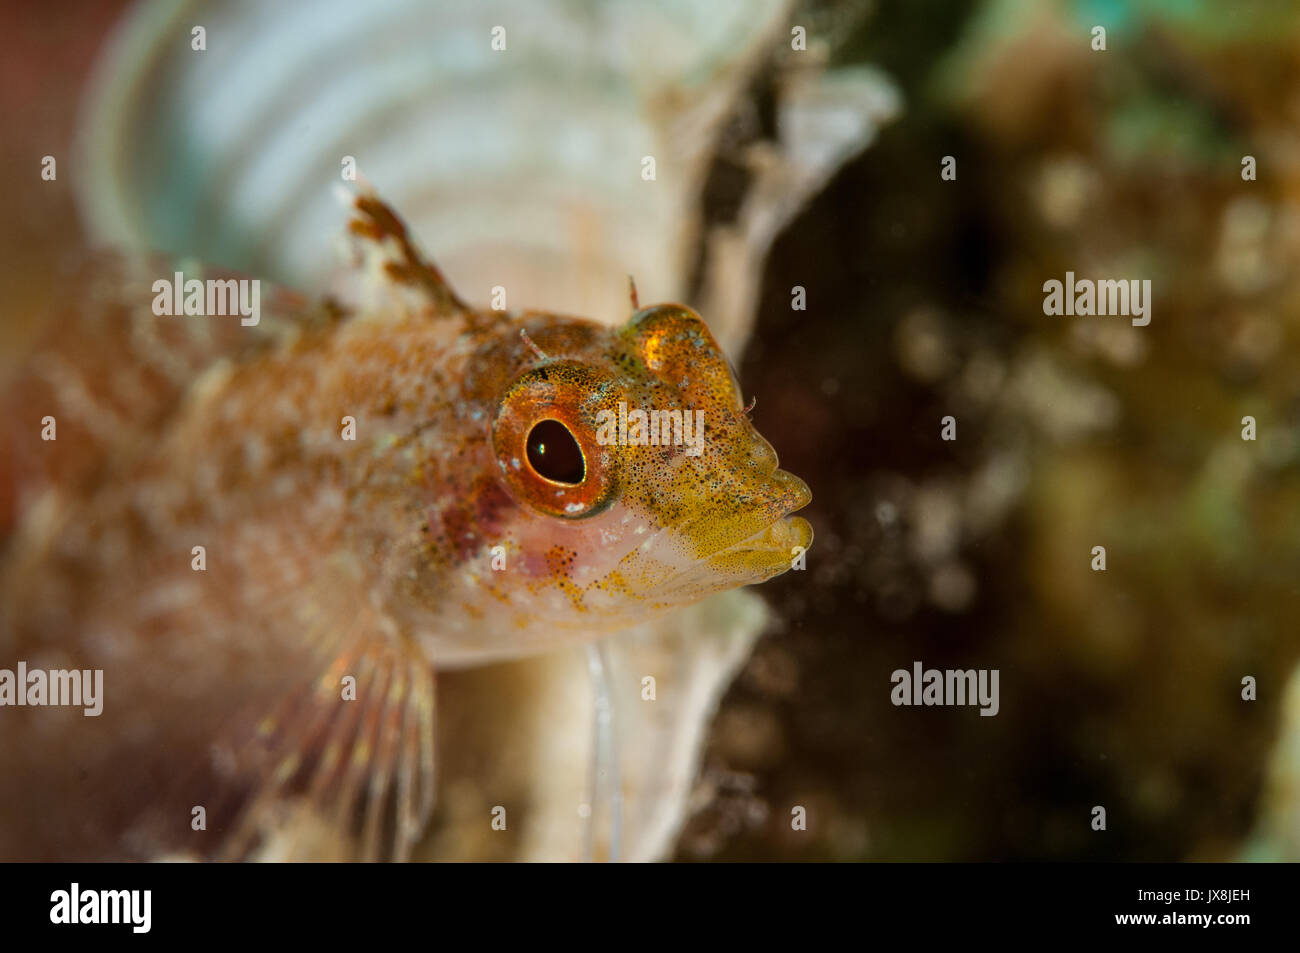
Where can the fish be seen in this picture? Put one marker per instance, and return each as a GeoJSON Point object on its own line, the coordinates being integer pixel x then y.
{"type": "Point", "coordinates": [266, 539]}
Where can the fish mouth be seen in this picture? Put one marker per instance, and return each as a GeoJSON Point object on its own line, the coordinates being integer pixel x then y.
{"type": "Point", "coordinates": [739, 542]}
{"type": "Point", "coordinates": [779, 541]}
{"type": "Point", "coordinates": [771, 551]}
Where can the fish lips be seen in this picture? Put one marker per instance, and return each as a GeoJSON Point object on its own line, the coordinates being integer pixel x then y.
{"type": "Point", "coordinates": [762, 541]}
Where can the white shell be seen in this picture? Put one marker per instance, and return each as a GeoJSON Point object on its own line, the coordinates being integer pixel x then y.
{"type": "Point", "coordinates": [519, 168]}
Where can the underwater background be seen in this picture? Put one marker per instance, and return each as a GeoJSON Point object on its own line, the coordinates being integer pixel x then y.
{"type": "Point", "coordinates": [1120, 688]}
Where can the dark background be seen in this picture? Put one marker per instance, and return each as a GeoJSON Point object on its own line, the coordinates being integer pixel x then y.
{"type": "Point", "coordinates": [1121, 688]}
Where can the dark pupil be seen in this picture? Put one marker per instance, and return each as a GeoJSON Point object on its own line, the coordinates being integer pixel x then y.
{"type": "Point", "coordinates": [554, 454]}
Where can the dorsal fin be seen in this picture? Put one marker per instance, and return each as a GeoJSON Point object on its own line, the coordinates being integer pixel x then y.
{"type": "Point", "coordinates": [402, 261]}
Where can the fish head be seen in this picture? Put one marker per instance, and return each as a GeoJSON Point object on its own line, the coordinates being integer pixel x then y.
{"type": "Point", "coordinates": [639, 481]}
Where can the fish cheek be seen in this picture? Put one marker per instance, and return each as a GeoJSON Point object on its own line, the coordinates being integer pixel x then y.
{"type": "Point", "coordinates": [474, 522]}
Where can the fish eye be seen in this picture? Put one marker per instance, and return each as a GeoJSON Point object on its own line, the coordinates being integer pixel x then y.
{"type": "Point", "coordinates": [554, 454]}
{"type": "Point", "coordinates": [545, 440]}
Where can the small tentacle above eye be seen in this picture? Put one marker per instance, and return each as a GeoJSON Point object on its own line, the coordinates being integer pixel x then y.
{"type": "Point", "coordinates": [532, 346]}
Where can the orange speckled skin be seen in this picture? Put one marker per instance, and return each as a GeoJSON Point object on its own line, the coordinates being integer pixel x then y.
{"type": "Point", "coordinates": [326, 557]}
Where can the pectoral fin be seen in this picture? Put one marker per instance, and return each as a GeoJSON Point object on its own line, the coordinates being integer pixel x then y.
{"type": "Point", "coordinates": [339, 767]}
{"type": "Point", "coordinates": [350, 760]}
